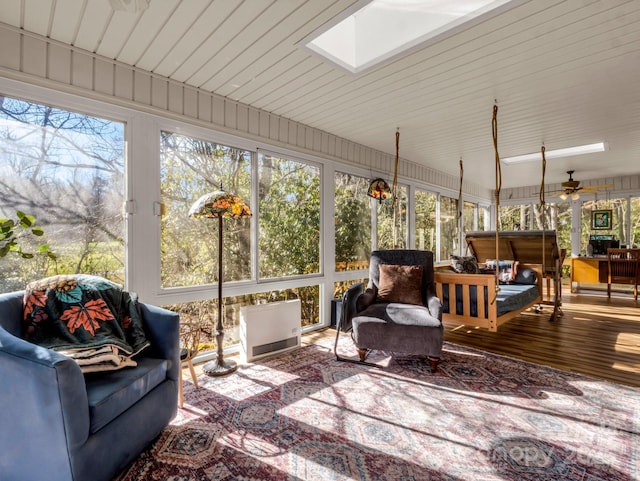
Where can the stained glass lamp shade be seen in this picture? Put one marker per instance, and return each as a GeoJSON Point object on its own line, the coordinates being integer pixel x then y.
{"type": "Point", "coordinates": [379, 189]}
{"type": "Point", "coordinates": [219, 204]}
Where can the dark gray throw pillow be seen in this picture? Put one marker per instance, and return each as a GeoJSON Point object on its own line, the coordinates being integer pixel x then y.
{"type": "Point", "coordinates": [464, 264]}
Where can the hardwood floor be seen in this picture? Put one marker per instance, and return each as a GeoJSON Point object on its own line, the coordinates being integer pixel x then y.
{"type": "Point", "coordinates": [595, 336]}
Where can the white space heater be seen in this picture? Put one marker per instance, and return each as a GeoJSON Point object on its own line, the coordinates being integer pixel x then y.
{"type": "Point", "coordinates": [271, 328]}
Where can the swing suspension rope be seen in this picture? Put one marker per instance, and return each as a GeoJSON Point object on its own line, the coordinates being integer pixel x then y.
{"type": "Point", "coordinates": [394, 190]}
{"type": "Point", "coordinates": [460, 195]}
{"type": "Point", "coordinates": [494, 126]}
{"type": "Point", "coordinates": [542, 208]}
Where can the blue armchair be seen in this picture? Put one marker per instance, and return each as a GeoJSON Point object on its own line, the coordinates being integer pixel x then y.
{"type": "Point", "coordinates": [59, 424]}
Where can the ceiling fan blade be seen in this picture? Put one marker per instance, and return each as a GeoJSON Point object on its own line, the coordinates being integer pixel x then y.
{"type": "Point", "coordinates": [596, 188]}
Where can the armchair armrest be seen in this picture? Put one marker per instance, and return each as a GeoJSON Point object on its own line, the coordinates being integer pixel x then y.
{"type": "Point", "coordinates": [434, 304]}
{"type": "Point", "coordinates": [44, 406]}
{"type": "Point", "coordinates": [349, 309]}
{"type": "Point", "coordinates": [162, 328]}
{"type": "Point", "coordinates": [366, 299]}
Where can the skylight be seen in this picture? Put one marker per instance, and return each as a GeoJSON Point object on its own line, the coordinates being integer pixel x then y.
{"type": "Point", "coordinates": [382, 29]}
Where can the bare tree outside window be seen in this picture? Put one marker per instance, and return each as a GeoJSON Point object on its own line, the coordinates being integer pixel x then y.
{"type": "Point", "coordinates": [67, 170]}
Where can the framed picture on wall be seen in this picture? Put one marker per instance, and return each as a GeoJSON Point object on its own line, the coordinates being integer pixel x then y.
{"type": "Point", "coordinates": [601, 219]}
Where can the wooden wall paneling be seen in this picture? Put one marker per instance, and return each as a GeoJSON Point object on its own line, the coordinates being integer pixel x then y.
{"type": "Point", "coordinates": [159, 93]}
{"type": "Point", "coordinates": [345, 149]}
{"type": "Point", "coordinates": [230, 114]}
{"type": "Point", "coordinates": [274, 127]}
{"type": "Point", "coordinates": [264, 125]}
{"type": "Point", "coordinates": [142, 87]}
{"type": "Point", "coordinates": [103, 76]}
{"type": "Point", "coordinates": [59, 64]}
{"type": "Point", "coordinates": [217, 104]}
{"type": "Point", "coordinates": [254, 121]}
{"type": "Point", "coordinates": [366, 155]}
{"type": "Point", "coordinates": [308, 138]}
{"type": "Point", "coordinates": [123, 82]}
{"type": "Point", "coordinates": [204, 106]}
{"type": "Point", "coordinates": [190, 108]}
{"type": "Point", "coordinates": [293, 132]}
{"type": "Point", "coordinates": [82, 70]}
{"type": "Point", "coordinates": [176, 98]}
{"type": "Point", "coordinates": [317, 140]}
{"type": "Point", "coordinates": [338, 148]}
{"type": "Point", "coordinates": [378, 161]}
{"type": "Point", "coordinates": [34, 56]}
{"type": "Point", "coordinates": [300, 138]}
{"type": "Point", "coordinates": [324, 142]}
{"type": "Point", "coordinates": [351, 153]}
{"type": "Point", "coordinates": [357, 154]}
{"type": "Point", "coordinates": [10, 53]}
{"type": "Point", "coordinates": [331, 145]}
{"type": "Point", "coordinates": [283, 135]}
{"type": "Point", "coordinates": [242, 118]}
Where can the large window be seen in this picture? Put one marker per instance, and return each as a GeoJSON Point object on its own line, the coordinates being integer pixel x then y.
{"type": "Point", "coordinates": [515, 217]}
{"type": "Point", "coordinates": [289, 217]}
{"type": "Point", "coordinates": [392, 221]}
{"type": "Point", "coordinates": [449, 240]}
{"type": "Point", "coordinates": [635, 223]}
{"type": "Point", "coordinates": [352, 222]}
{"type": "Point", "coordinates": [425, 203]}
{"type": "Point", "coordinates": [619, 227]}
{"type": "Point", "coordinates": [190, 168]}
{"type": "Point", "coordinates": [66, 169]}
{"type": "Point", "coordinates": [483, 218]}
{"type": "Point", "coordinates": [529, 217]}
{"type": "Point", "coordinates": [469, 222]}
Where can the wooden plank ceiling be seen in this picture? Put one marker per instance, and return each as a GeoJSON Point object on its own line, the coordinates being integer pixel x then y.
{"type": "Point", "coordinates": [563, 73]}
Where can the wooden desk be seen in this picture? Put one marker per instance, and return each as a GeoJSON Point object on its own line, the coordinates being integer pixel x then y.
{"type": "Point", "coordinates": [590, 270]}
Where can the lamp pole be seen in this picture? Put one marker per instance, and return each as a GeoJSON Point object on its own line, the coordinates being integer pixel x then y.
{"type": "Point", "coordinates": [219, 367]}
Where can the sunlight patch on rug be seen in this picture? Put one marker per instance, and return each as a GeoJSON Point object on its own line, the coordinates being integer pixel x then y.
{"type": "Point", "coordinates": [306, 416]}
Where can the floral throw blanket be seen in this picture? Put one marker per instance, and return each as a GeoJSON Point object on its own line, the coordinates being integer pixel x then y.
{"type": "Point", "coordinates": [87, 318]}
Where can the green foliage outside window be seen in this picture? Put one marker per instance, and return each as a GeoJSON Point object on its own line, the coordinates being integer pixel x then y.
{"type": "Point", "coordinates": [289, 217]}
{"type": "Point", "coordinates": [352, 222]}
{"type": "Point", "coordinates": [392, 223]}
{"type": "Point", "coordinates": [449, 235]}
{"type": "Point", "coordinates": [425, 231]}
{"type": "Point", "coordinates": [14, 234]}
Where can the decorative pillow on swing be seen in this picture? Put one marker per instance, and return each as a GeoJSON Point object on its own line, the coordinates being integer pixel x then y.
{"type": "Point", "coordinates": [507, 270]}
{"type": "Point", "coordinates": [464, 264]}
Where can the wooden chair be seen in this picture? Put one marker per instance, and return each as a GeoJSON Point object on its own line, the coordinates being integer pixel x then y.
{"type": "Point", "coordinates": [624, 268]}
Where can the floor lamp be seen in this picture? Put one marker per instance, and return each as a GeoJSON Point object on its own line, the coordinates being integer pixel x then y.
{"type": "Point", "coordinates": [219, 204]}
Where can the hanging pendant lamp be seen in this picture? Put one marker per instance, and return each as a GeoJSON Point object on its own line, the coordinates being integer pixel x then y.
{"type": "Point", "coordinates": [379, 189]}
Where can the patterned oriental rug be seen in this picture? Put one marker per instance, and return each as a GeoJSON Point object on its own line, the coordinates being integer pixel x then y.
{"type": "Point", "coordinates": [482, 417]}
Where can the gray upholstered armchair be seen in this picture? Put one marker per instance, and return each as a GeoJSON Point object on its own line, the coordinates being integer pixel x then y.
{"type": "Point", "coordinates": [59, 424]}
{"type": "Point", "coordinates": [399, 310]}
